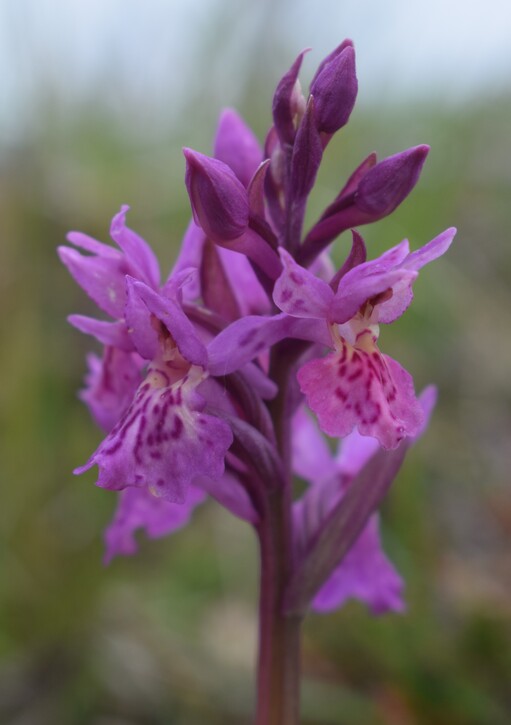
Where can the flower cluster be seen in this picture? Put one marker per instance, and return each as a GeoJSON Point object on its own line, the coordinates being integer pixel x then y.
{"type": "Point", "coordinates": [210, 381]}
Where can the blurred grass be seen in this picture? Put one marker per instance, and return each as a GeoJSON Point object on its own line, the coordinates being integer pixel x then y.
{"type": "Point", "coordinates": [169, 636]}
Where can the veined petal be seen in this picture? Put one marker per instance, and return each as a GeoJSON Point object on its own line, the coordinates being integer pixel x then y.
{"type": "Point", "coordinates": [163, 442]}
{"type": "Point", "coordinates": [367, 390]}
{"type": "Point", "coordinates": [300, 293]}
{"type": "Point", "coordinates": [140, 509]}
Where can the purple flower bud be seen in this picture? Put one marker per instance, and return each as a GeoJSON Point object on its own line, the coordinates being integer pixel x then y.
{"type": "Point", "coordinates": [335, 89]}
{"type": "Point", "coordinates": [388, 183]}
{"type": "Point", "coordinates": [331, 56]}
{"type": "Point", "coordinates": [288, 102]}
{"type": "Point", "coordinates": [372, 193]}
{"type": "Point", "coordinates": [219, 200]}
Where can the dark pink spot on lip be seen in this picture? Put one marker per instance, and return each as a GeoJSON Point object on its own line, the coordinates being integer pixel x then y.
{"type": "Point", "coordinates": [177, 429]}
{"type": "Point", "coordinates": [286, 295]}
{"type": "Point", "coordinates": [341, 394]}
{"type": "Point", "coordinates": [355, 375]}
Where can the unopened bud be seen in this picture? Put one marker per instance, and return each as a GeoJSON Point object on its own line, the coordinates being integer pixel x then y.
{"type": "Point", "coordinates": [388, 183]}
{"type": "Point", "coordinates": [335, 91]}
{"type": "Point", "coordinates": [218, 198]}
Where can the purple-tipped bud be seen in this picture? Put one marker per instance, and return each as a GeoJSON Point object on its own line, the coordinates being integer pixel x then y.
{"type": "Point", "coordinates": [373, 192]}
{"type": "Point", "coordinates": [237, 146]}
{"type": "Point", "coordinates": [218, 198]}
{"type": "Point", "coordinates": [335, 90]}
{"type": "Point", "coordinates": [388, 183]}
{"type": "Point", "coordinates": [307, 153]}
{"type": "Point", "coordinates": [288, 102]}
{"type": "Point", "coordinates": [337, 51]}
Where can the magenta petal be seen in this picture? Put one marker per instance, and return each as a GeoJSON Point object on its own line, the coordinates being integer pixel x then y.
{"type": "Point", "coordinates": [163, 441]}
{"type": "Point", "coordinates": [102, 278]}
{"type": "Point", "coordinates": [299, 293]}
{"type": "Point", "coordinates": [142, 332]}
{"type": "Point", "coordinates": [359, 389]}
{"type": "Point", "coordinates": [113, 334]}
{"type": "Point", "coordinates": [139, 509]}
{"type": "Point", "coordinates": [365, 574]}
{"type": "Point", "coordinates": [237, 146]}
{"type": "Point", "coordinates": [139, 254]}
{"type": "Point", "coordinates": [171, 315]}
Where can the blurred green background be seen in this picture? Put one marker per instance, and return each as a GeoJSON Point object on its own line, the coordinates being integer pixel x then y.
{"type": "Point", "coordinates": [96, 102]}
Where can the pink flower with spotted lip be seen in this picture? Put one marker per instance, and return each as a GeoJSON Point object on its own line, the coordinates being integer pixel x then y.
{"type": "Point", "coordinates": [357, 385]}
{"type": "Point", "coordinates": [163, 441]}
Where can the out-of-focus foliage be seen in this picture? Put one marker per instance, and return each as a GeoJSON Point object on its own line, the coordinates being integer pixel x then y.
{"type": "Point", "coordinates": [169, 636]}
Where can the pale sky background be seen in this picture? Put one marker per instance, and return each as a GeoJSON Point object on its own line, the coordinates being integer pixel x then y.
{"type": "Point", "coordinates": [157, 52]}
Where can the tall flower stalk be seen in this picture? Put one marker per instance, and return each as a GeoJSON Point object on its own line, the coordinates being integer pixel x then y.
{"type": "Point", "coordinates": [219, 381]}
